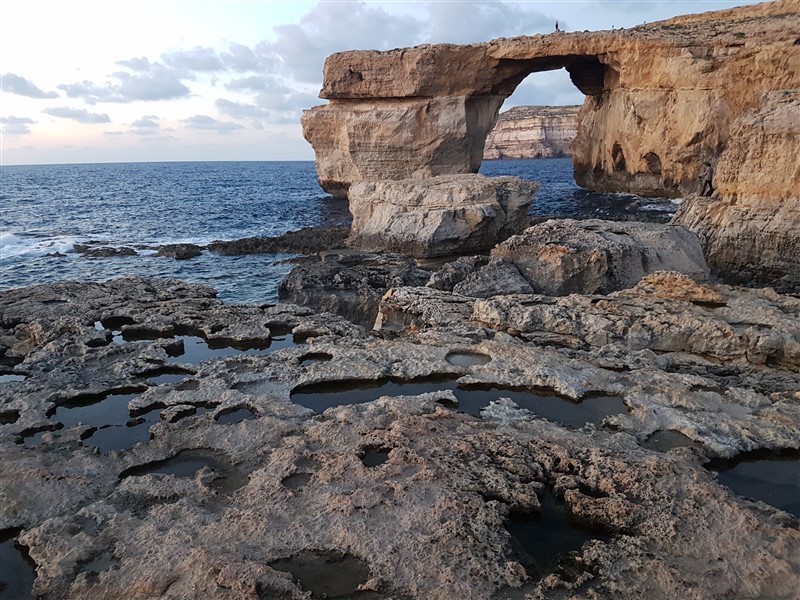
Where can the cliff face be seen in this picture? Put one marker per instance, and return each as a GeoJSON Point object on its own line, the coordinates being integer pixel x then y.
{"type": "Point", "coordinates": [532, 132]}
{"type": "Point", "coordinates": [660, 99]}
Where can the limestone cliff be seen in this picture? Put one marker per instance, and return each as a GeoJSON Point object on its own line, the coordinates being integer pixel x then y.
{"type": "Point", "coordinates": [532, 132]}
{"type": "Point", "coordinates": [660, 99]}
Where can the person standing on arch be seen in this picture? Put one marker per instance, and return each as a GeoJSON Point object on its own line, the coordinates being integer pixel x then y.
{"type": "Point", "coordinates": [706, 177]}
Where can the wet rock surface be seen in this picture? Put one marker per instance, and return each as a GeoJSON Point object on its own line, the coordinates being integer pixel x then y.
{"type": "Point", "coordinates": [404, 496]}
{"type": "Point", "coordinates": [307, 240]}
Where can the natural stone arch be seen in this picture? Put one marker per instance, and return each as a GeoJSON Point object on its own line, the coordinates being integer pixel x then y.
{"type": "Point", "coordinates": [719, 86]}
{"type": "Point", "coordinates": [430, 124]}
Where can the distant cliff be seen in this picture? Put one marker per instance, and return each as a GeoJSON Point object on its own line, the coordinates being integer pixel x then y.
{"type": "Point", "coordinates": [532, 132]}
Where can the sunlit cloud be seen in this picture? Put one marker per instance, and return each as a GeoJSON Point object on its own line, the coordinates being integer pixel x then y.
{"type": "Point", "coordinates": [14, 84]}
{"type": "Point", "coordinates": [17, 125]}
{"type": "Point", "coordinates": [81, 115]}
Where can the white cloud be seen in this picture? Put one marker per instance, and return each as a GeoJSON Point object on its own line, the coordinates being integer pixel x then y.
{"type": "Point", "coordinates": [17, 125]}
{"type": "Point", "coordinates": [206, 123]}
{"type": "Point", "coordinates": [149, 121]}
{"type": "Point", "coordinates": [157, 84]}
{"type": "Point", "coordinates": [14, 84]}
{"type": "Point", "coordinates": [80, 115]}
{"type": "Point", "coordinates": [238, 110]}
{"type": "Point", "coordinates": [197, 60]}
{"type": "Point", "coordinates": [457, 23]}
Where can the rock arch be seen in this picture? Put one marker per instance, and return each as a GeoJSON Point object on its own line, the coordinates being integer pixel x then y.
{"type": "Point", "coordinates": [434, 118]}
{"type": "Point", "coordinates": [721, 86]}
{"type": "Point", "coordinates": [671, 89]}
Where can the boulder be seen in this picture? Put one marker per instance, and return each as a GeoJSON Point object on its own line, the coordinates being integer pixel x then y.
{"type": "Point", "coordinates": [180, 251]}
{"type": "Point", "coordinates": [349, 283]}
{"type": "Point", "coordinates": [560, 257]}
{"type": "Point", "coordinates": [439, 216]}
{"type": "Point", "coordinates": [498, 278]}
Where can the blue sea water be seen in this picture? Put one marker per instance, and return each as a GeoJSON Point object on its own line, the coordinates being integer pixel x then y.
{"type": "Point", "coordinates": [46, 209]}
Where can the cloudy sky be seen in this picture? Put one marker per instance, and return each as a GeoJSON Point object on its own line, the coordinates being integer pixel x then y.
{"type": "Point", "coordinates": [175, 80]}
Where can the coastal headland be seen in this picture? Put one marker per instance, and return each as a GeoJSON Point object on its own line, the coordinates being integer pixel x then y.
{"type": "Point", "coordinates": [450, 401]}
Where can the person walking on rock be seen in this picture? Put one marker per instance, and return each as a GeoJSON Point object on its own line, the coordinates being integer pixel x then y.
{"type": "Point", "coordinates": [706, 175]}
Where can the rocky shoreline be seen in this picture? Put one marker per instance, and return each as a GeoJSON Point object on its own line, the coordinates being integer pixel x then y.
{"type": "Point", "coordinates": [259, 450]}
{"type": "Point", "coordinates": [575, 409]}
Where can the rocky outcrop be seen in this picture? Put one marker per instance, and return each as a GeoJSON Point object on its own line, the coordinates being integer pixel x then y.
{"type": "Point", "coordinates": [532, 132]}
{"type": "Point", "coordinates": [349, 283]}
{"type": "Point", "coordinates": [307, 240]}
{"type": "Point", "coordinates": [661, 98]}
{"type": "Point", "coordinates": [560, 257]}
{"type": "Point", "coordinates": [397, 494]}
{"type": "Point", "coordinates": [749, 228]}
{"type": "Point", "coordinates": [440, 216]}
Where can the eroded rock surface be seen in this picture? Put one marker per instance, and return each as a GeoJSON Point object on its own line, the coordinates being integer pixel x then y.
{"type": "Point", "coordinates": [661, 99]}
{"type": "Point", "coordinates": [532, 132]}
{"type": "Point", "coordinates": [440, 216]}
{"type": "Point", "coordinates": [224, 510]}
{"type": "Point", "coordinates": [560, 257]}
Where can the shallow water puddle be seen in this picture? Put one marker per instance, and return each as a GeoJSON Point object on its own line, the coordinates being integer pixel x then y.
{"type": "Point", "coordinates": [166, 375]}
{"type": "Point", "coordinates": [187, 463]}
{"type": "Point", "coordinates": [95, 410]}
{"type": "Point", "coordinates": [235, 415]}
{"type": "Point", "coordinates": [467, 359]}
{"type": "Point", "coordinates": [374, 456]}
{"type": "Point", "coordinates": [767, 476]}
{"type": "Point", "coordinates": [325, 574]}
{"type": "Point", "coordinates": [8, 417]}
{"type": "Point", "coordinates": [114, 427]}
{"type": "Point", "coordinates": [196, 349]}
{"type": "Point", "coordinates": [539, 540]}
{"type": "Point", "coordinates": [664, 441]}
{"type": "Point", "coordinates": [17, 570]}
{"type": "Point", "coordinates": [9, 377]}
{"type": "Point", "coordinates": [296, 480]}
{"type": "Point", "coordinates": [593, 409]}
{"type": "Point", "coordinates": [108, 414]}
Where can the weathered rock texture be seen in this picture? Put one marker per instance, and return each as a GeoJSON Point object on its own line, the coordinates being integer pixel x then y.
{"type": "Point", "coordinates": [439, 216]}
{"type": "Point", "coordinates": [560, 257]}
{"type": "Point", "coordinates": [288, 486]}
{"type": "Point", "coordinates": [750, 227]}
{"type": "Point", "coordinates": [660, 99]}
{"type": "Point", "coordinates": [532, 132]}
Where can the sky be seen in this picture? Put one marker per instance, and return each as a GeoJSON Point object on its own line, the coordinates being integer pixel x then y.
{"type": "Point", "coordinates": [189, 80]}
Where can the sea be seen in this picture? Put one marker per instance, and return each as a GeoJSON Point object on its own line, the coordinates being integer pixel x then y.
{"type": "Point", "coordinates": [45, 210]}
